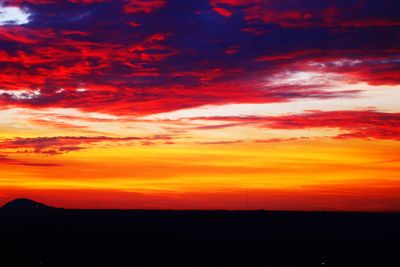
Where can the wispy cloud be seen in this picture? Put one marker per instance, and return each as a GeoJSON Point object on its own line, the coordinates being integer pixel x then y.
{"type": "Point", "coordinates": [4, 159]}
{"type": "Point", "coordinates": [364, 124]}
{"type": "Point", "coordinates": [64, 144]}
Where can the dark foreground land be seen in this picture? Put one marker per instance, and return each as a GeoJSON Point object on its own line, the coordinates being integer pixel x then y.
{"type": "Point", "coordinates": [197, 238]}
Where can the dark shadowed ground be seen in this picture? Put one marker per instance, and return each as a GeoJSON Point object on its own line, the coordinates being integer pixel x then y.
{"type": "Point", "coordinates": [197, 238]}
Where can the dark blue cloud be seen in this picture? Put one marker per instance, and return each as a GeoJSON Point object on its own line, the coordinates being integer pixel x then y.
{"type": "Point", "coordinates": [158, 56]}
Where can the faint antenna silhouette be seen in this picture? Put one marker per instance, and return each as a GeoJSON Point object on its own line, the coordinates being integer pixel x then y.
{"type": "Point", "coordinates": [247, 197]}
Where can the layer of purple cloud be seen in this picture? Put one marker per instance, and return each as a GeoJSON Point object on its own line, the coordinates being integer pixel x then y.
{"type": "Point", "coordinates": [143, 57]}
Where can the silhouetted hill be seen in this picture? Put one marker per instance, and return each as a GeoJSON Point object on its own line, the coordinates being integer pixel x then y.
{"type": "Point", "coordinates": [24, 203]}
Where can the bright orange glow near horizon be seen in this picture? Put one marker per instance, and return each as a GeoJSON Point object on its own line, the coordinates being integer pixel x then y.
{"type": "Point", "coordinates": [207, 114]}
{"type": "Point", "coordinates": [305, 175]}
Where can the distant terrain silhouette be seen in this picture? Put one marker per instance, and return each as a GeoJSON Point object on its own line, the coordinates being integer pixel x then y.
{"type": "Point", "coordinates": [25, 203]}
{"type": "Point", "coordinates": [33, 234]}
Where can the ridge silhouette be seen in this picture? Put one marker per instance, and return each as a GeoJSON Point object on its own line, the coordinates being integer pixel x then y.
{"type": "Point", "coordinates": [25, 203]}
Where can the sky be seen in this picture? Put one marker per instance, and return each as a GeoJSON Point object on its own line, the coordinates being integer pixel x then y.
{"type": "Point", "coordinates": [203, 104]}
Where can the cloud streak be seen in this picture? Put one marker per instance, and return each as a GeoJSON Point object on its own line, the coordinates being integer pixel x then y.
{"type": "Point", "coordinates": [64, 144]}
{"type": "Point", "coordinates": [362, 124]}
{"type": "Point", "coordinates": [4, 159]}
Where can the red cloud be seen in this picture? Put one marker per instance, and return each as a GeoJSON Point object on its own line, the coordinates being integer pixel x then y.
{"type": "Point", "coordinates": [354, 65]}
{"type": "Point", "coordinates": [150, 100]}
{"type": "Point", "coordinates": [180, 63]}
{"type": "Point", "coordinates": [365, 124]}
{"type": "Point", "coordinates": [24, 35]}
{"type": "Point", "coordinates": [147, 6]}
{"type": "Point", "coordinates": [70, 62]}
{"type": "Point", "coordinates": [151, 49]}
{"type": "Point", "coordinates": [299, 14]}
{"type": "Point", "coordinates": [222, 11]}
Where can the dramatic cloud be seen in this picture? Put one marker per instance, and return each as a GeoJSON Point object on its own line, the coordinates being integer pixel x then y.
{"type": "Point", "coordinates": [145, 57]}
{"type": "Point", "coordinates": [217, 97]}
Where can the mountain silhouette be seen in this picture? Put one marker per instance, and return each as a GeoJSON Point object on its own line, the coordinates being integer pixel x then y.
{"type": "Point", "coordinates": [24, 203]}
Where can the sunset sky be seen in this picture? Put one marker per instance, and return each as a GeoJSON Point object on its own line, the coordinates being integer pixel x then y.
{"type": "Point", "coordinates": [203, 104]}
